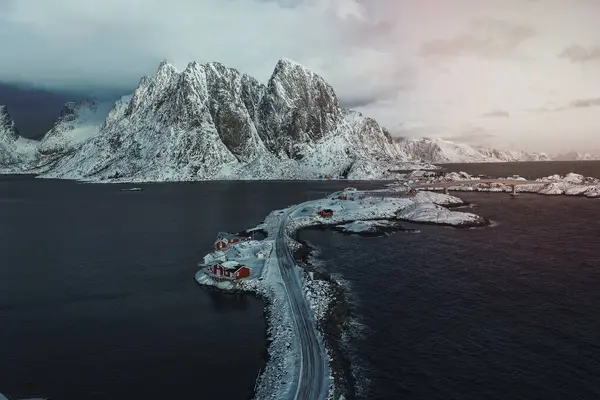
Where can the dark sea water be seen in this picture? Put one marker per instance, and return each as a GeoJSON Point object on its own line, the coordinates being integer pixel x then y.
{"type": "Point", "coordinates": [529, 170]}
{"type": "Point", "coordinates": [97, 291]}
{"type": "Point", "coordinates": [507, 312]}
{"type": "Point", "coordinates": [98, 301]}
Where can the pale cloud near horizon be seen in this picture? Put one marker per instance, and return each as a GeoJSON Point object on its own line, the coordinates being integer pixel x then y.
{"type": "Point", "coordinates": [420, 67]}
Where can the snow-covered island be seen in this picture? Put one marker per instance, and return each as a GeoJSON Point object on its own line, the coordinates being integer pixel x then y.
{"type": "Point", "coordinates": [571, 184]}
{"type": "Point", "coordinates": [241, 263]}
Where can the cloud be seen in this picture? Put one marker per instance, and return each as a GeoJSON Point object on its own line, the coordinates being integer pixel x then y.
{"type": "Point", "coordinates": [107, 45]}
{"type": "Point", "coordinates": [585, 103]}
{"type": "Point", "coordinates": [474, 135]}
{"type": "Point", "coordinates": [484, 38]}
{"type": "Point", "coordinates": [579, 54]}
{"type": "Point", "coordinates": [573, 105]}
{"type": "Point", "coordinates": [496, 114]}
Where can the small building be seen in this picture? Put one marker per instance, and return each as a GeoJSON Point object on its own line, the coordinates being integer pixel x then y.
{"type": "Point", "coordinates": [326, 213]}
{"type": "Point", "coordinates": [230, 270]}
{"type": "Point", "coordinates": [224, 240]}
{"type": "Point", "coordinates": [261, 254]}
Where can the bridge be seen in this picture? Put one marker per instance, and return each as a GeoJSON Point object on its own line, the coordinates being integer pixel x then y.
{"type": "Point", "coordinates": [509, 182]}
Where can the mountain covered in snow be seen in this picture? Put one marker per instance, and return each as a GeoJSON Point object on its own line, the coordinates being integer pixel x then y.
{"type": "Point", "coordinates": [576, 156]}
{"type": "Point", "coordinates": [76, 123]}
{"type": "Point", "coordinates": [15, 150]}
{"type": "Point", "coordinates": [209, 121]}
{"type": "Point", "coordinates": [439, 151]}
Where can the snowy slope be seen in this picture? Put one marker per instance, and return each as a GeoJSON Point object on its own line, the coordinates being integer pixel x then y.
{"type": "Point", "coordinates": [444, 151]}
{"type": "Point", "coordinates": [213, 122]}
{"type": "Point", "coordinates": [77, 123]}
{"type": "Point", "coordinates": [576, 156]}
{"type": "Point", "coordinates": [15, 150]}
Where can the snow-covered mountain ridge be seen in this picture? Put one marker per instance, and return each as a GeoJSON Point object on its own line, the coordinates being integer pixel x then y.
{"type": "Point", "coordinates": [213, 122]}
{"type": "Point", "coordinates": [15, 150]}
{"type": "Point", "coordinates": [439, 151]}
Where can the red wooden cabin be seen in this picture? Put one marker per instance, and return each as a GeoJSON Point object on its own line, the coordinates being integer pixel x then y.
{"type": "Point", "coordinates": [326, 213]}
{"type": "Point", "coordinates": [231, 270]}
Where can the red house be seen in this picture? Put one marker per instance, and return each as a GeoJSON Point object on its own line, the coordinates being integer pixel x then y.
{"type": "Point", "coordinates": [224, 240]}
{"type": "Point", "coordinates": [230, 270]}
{"type": "Point", "coordinates": [326, 213]}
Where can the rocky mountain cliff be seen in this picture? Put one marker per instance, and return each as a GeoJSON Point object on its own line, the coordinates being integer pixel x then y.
{"type": "Point", "coordinates": [15, 150]}
{"type": "Point", "coordinates": [213, 122]}
{"type": "Point", "coordinates": [439, 151]}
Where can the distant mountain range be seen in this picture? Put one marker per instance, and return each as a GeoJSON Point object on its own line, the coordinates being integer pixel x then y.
{"type": "Point", "coordinates": [213, 122]}
{"type": "Point", "coordinates": [440, 151]}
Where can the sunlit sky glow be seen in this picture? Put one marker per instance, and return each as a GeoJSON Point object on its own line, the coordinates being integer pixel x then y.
{"type": "Point", "coordinates": [508, 73]}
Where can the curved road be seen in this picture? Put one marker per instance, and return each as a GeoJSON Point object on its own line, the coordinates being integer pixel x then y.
{"type": "Point", "coordinates": [312, 380]}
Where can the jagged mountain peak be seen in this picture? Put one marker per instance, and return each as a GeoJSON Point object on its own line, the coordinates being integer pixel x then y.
{"type": "Point", "coordinates": [166, 66]}
{"type": "Point", "coordinates": [299, 103]}
{"type": "Point", "coordinates": [8, 130]}
{"type": "Point", "coordinates": [209, 121]}
{"type": "Point", "coordinates": [14, 149]}
{"type": "Point", "coordinates": [77, 122]}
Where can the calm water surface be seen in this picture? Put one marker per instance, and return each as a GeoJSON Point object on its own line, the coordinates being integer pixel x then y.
{"type": "Point", "coordinates": [97, 296]}
{"type": "Point", "coordinates": [98, 301]}
{"type": "Point", "coordinates": [529, 170]}
{"type": "Point", "coordinates": [509, 312]}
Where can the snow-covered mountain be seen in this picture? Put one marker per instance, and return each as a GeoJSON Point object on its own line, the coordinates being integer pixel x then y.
{"type": "Point", "coordinates": [15, 150]}
{"type": "Point", "coordinates": [213, 122]}
{"type": "Point", "coordinates": [576, 156]}
{"type": "Point", "coordinates": [440, 151]}
{"type": "Point", "coordinates": [77, 123]}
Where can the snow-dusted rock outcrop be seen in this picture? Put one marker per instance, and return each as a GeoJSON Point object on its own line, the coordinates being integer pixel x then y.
{"type": "Point", "coordinates": [213, 122]}
{"type": "Point", "coordinates": [15, 150]}
{"type": "Point", "coordinates": [77, 123]}
{"type": "Point", "coordinates": [444, 151]}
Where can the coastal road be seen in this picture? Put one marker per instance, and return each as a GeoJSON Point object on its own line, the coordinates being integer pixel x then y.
{"type": "Point", "coordinates": [311, 383]}
{"type": "Point", "coordinates": [510, 182]}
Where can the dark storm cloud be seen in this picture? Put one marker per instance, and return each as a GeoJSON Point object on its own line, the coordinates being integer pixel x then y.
{"type": "Point", "coordinates": [496, 114]}
{"type": "Point", "coordinates": [484, 38]}
{"type": "Point", "coordinates": [579, 54]}
{"type": "Point", "coordinates": [34, 111]}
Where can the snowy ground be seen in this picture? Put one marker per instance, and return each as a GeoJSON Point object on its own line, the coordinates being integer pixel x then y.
{"type": "Point", "coordinates": [266, 279]}
{"type": "Point", "coordinates": [571, 184]}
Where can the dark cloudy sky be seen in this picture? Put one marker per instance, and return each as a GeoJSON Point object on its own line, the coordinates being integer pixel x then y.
{"type": "Point", "coordinates": [523, 73]}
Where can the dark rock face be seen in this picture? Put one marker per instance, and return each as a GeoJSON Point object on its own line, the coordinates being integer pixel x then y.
{"type": "Point", "coordinates": [8, 130]}
{"type": "Point", "coordinates": [299, 106]}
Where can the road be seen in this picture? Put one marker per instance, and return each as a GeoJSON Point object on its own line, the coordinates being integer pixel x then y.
{"type": "Point", "coordinates": [311, 383]}
{"type": "Point", "coordinates": [509, 182]}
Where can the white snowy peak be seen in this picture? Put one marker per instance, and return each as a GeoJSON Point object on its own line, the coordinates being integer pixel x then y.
{"type": "Point", "coordinates": [444, 151]}
{"type": "Point", "coordinates": [298, 106]}
{"type": "Point", "coordinates": [576, 156]}
{"type": "Point", "coordinates": [14, 149]}
{"type": "Point", "coordinates": [8, 130]}
{"type": "Point", "coordinates": [76, 123]}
